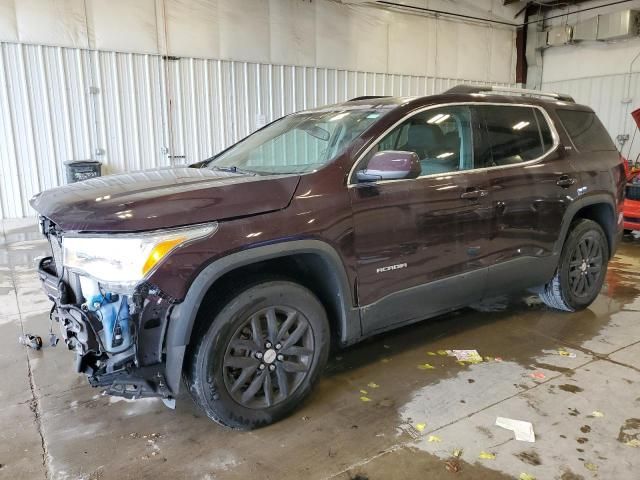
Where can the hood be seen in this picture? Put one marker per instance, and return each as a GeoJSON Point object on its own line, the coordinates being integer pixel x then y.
{"type": "Point", "coordinates": [162, 198]}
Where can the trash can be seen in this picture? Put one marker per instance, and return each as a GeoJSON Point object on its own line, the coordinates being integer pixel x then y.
{"type": "Point", "coordinates": [78, 170]}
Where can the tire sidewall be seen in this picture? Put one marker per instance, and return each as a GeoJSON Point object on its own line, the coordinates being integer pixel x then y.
{"type": "Point", "coordinates": [578, 233]}
{"type": "Point", "coordinates": [208, 375]}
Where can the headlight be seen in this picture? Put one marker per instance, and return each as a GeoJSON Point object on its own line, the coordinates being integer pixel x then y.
{"type": "Point", "coordinates": [120, 261]}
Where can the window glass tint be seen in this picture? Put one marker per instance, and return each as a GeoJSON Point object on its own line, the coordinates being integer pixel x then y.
{"type": "Point", "coordinates": [441, 137]}
{"type": "Point", "coordinates": [586, 131]}
{"type": "Point", "coordinates": [512, 134]}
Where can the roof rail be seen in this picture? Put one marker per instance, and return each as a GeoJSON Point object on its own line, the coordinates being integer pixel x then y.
{"type": "Point", "coordinates": [367, 97]}
{"type": "Point", "coordinates": [518, 91]}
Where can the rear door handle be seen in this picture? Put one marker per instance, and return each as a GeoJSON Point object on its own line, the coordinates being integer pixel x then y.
{"type": "Point", "coordinates": [565, 181]}
{"type": "Point", "coordinates": [474, 194]}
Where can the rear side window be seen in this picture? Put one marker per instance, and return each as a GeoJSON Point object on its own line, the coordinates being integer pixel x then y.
{"type": "Point", "coordinates": [514, 134]}
{"type": "Point", "coordinates": [586, 131]}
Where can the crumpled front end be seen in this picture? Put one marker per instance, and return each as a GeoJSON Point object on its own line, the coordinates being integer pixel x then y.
{"type": "Point", "coordinates": [117, 338]}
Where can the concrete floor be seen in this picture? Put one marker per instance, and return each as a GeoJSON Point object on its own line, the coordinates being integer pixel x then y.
{"type": "Point", "coordinates": [54, 426]}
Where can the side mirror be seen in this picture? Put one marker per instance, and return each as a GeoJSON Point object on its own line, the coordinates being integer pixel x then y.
{"type": "Point", "coordinates": [391, 165]}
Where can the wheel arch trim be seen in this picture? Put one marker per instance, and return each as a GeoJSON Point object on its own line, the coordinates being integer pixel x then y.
{"type": "Point", "coordinates": [579, 204]}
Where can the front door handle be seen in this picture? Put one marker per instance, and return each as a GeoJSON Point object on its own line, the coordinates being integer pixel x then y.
{"type": "Point", "coordinates": [474, 194]}
{"type": "Point", "coordinates": [565, 181]}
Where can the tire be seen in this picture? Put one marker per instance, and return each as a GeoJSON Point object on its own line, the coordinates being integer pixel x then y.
{"type": "Point", "coordinates": [260, 356]}
{"type": "Point", "coordinates": [582, 269]}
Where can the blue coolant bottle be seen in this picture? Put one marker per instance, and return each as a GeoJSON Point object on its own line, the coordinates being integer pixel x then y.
{"type": "Point", "coordinates": [113, 312]}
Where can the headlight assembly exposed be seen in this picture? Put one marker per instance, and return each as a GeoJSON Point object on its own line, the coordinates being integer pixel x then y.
{"type": "Point", "coordinates": [120, 261]}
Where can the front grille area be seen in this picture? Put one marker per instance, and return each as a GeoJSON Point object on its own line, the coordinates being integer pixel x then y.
{"type": "Point", "coordinates": [632, 192]}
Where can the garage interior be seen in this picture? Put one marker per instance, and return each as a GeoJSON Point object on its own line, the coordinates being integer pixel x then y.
{"type": "Point", "coordinates": [159, 83]}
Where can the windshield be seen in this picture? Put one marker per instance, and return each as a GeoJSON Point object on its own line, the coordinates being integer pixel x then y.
{"type": "Point", "coordinates": [298, 143]}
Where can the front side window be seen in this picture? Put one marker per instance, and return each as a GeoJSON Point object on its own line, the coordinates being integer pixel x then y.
{"type": "Point", "coordinates": [298, 143]}
{"type": "Point", "coordinates": [441, 138]}
{"type": "Point", "coordinates": [513, 135]}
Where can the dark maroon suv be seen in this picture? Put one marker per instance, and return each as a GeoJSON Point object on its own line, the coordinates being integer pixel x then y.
{"type": "Point", "coordinates": [325, 227]}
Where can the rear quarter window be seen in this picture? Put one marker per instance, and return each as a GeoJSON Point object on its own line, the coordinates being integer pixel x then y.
{"type": "Point", "coordinates": [586, 131]}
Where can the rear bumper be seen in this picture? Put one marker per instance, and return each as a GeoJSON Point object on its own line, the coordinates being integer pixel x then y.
{"type": "Point", "coordinates": [120, 374]}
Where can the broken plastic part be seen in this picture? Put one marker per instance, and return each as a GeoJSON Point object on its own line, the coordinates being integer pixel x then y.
{"type": "Point", "coordinates": [31, 341]}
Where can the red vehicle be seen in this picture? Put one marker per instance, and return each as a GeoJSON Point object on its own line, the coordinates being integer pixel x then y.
{"type": "Point", "coordinates": [632, 191]}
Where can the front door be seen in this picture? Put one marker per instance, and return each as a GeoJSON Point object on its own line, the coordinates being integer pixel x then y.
{"type": "Point", "coordinates": [420, 243]}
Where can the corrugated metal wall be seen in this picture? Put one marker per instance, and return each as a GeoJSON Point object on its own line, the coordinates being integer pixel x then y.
{"type": "Point", "coordinates": [134, 111]}
{"type": "Point", "coordinates": [613, 98]}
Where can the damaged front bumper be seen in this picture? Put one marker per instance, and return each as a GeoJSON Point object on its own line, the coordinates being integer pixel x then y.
{"type": "Point", "coordinates": [128, 363]}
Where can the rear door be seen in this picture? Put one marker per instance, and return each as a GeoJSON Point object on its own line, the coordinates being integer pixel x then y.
{"type": "Point", "coordinates": [420, 243]}
{"type": "Point", "coordinates": [531, 182]}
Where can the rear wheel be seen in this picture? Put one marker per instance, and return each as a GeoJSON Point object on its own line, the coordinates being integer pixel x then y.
{"type": "Point", "coordinates": [261, 356]}
{"type": "Point", "coordinates": [582, 269]}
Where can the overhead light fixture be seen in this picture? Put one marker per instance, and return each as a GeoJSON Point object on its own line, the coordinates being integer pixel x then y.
{"type": "Point", "coordinates": [520, 125]}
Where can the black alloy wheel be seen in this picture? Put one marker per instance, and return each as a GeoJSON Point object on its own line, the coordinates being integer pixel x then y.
{"type": "Point", "coordinates": [585, 266]}
{"type": "Point", "coordinates": [581, 270]}
{"type": "Point", "coordinates": [259, 351]}
{"type": "Point", "coordinates": [268, 357]}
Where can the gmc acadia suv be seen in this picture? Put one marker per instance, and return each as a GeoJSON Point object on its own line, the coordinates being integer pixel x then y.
{"type": "Point", "coordinates": [325, 227]}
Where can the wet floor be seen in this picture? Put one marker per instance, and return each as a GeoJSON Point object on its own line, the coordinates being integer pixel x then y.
{"type": "Point", "coordinates": [394, 407]}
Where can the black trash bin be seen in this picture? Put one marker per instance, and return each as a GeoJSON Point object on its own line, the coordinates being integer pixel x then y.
{"type": "Point", "coordinates": [78, 170]}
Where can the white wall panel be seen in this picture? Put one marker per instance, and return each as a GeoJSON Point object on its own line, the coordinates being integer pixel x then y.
{"type": "Point", "coordinates": [607, 96]}
{"type": "Point", "coordinates": [244, 30]}
{"type": "Point", "coordinates": [369, 39]}
{"type": "Point", "coordinates": [134, 111]}
{"type": "Point", "coordinates": [502, 55]}
{"type": "Point", "coordinates": [333, 40]}
{"type": "Point", "coordinates": [191, 28]}
{"type": "Point", "coordinates": [123, 25]}
{"type": "Point", "coordinates": [474, 63]}
{"type": "Point", "coordinates": [404, 33]}
{"type": "Point", "coordinates": [54, 22]}
{"type": "Point", "coordinates": [293, 32]}
{"type": "Point", "coordinates": [321, 33]}
{"type": "Point", "coordinates": [8, 24]}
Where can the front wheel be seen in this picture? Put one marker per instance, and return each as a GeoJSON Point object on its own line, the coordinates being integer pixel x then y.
{"type": "Point", "coordinates": [261, 355]}
{"type": "Point", "coordinates": [582, 269]}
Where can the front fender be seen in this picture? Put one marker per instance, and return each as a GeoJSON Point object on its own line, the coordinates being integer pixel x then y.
{"type": "Point", "coordinates": [183, 315]}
